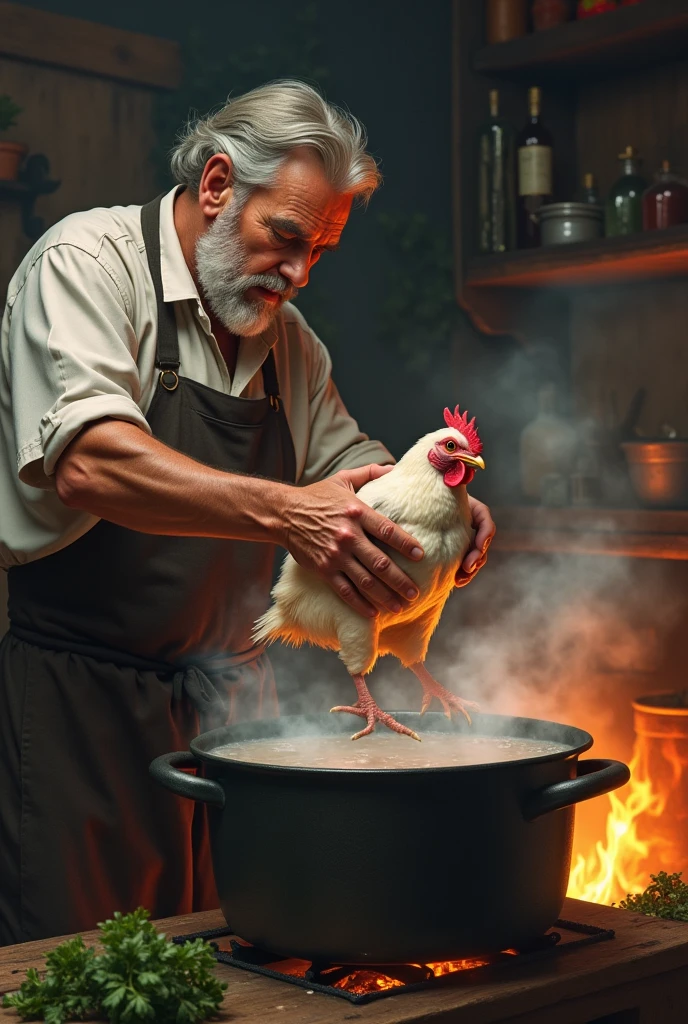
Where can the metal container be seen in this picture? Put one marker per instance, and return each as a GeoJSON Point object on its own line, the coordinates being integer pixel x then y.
{"type": "Point", "coordinates": [659, 472]}
{"type": "Point", "coordinates": [661, 726]}
{"type": "Point", "coordinates": [570, 222]}
{"type": "Point", "coordinates": [391, 866]}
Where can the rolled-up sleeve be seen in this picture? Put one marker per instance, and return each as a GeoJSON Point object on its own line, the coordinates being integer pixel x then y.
{"type": "Point", "coordinates": [335, 440]}
{"type": "Point", "coordinates": [72, 353]}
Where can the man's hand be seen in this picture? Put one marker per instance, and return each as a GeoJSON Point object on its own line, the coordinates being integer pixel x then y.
{"type": "Point", "coordinates": [477, 556]}
{"type": "Point", "coordinates": [325, 530]}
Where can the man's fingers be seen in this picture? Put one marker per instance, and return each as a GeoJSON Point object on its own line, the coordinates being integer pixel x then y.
{"type": "Point", "coordinates": [484, 525]}
{"type": "Point", "coordinates": [385, 530]}
{"type": "Point", "coordinates": [384, 568]}
{"type": "Point", "coordinates": [356, 478]}
{"type": "Point", "coordinates": [344, 588]}
{"type": "Point", "coordinates": [371, 587]}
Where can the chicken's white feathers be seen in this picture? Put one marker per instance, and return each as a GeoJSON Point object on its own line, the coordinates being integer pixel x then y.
{"type": "Point", "coordinates": [414, 495]}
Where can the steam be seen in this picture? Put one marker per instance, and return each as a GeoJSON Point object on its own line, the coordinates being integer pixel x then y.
{"type": "Point", "coordinates": [532, 636]}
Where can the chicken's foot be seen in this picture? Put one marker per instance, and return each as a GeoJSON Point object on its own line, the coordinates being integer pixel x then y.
{"type": "Point", "coordinates": [431, 689]}
{"type": "Point", "coordinates": [365, 707]}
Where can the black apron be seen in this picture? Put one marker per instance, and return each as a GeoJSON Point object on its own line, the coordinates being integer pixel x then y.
{"type": "Point", "coordinates": [123, 646]}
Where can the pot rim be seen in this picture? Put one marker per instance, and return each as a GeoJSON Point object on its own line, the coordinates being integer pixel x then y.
{"type": "Point", "coordinates": [585, 743]}
{"type": "Point", "coordinates": [590, 211]}
{"type": "Point", "coordinates": [649, 442]}
{"type": "Point", "coordinates": [649, 704]}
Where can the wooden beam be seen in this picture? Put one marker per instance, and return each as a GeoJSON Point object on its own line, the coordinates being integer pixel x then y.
{"type": "Point", "coordinates": [44, 38]}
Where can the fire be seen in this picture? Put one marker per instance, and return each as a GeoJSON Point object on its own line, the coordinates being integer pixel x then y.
{"type": "Point", "coordinates": [362, 982]}
{"type": "Point", "coordinates": [634, 846]}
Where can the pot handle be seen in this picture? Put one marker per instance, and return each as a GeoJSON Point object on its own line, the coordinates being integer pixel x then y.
{"type": "Point", "coordinates": [165, 770]}
{"type": "Point", "coordinates": [594, 777]}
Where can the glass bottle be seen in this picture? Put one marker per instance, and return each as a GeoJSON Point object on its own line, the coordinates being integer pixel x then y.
{"type": "Point", "coordinates": [589, 8]}
{"type": "Point", "coordinates": [535, 173]}
{"type": "Point", "coordinates": [666, 202]}
{"type": "Point", "coordinates": [590, 193]}
{"type": "Point", "coordinates": [624, 207]}
{"type": "Point", "coordinates": [496, 183]}
{"type": "Point", "coordinates": [548, 446]}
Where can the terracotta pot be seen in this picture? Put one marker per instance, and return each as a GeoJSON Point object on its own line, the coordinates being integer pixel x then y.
{"type": "Point", "coordinates": [11, 156]}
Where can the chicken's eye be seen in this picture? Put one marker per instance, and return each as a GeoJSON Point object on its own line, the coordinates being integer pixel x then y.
{"type": "Point", "coordinates": [450, 446]}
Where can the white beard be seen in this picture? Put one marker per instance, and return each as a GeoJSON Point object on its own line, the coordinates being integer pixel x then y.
{"type": "Point", "coordinates": [221, 260]}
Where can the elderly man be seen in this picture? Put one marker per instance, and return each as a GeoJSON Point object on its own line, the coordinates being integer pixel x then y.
{"type": "Point", "coordinates": [159, 401]}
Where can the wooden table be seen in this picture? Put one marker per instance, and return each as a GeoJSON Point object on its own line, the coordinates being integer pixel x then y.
{"type": "Point", "coordinates": [640, 977]}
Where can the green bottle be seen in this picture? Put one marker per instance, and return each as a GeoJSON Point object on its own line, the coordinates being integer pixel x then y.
{"type": "Point", "coordinates": [496, 183]}
{"type": "Point", "coordinates": [624, 208]}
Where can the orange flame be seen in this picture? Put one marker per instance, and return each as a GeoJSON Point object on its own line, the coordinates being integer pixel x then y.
{"type": "Point", "coordinates": [623, 862]}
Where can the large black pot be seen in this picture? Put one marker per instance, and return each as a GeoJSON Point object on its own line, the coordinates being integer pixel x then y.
{"type": "Point", "coordinates": [388, 866]}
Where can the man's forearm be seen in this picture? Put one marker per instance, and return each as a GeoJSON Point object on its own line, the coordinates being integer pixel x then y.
{"type": "Point", "coordinates": [114, 470]}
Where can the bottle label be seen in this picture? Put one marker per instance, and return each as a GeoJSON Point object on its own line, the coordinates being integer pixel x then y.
{"type": "Point", "coordinates": [535, 171]}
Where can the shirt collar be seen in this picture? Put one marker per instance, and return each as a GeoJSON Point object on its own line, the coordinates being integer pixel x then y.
{"type": "Point", "coordinates": [177, 282]}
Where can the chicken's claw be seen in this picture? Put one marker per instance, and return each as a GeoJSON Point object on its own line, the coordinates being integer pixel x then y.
{"type": "Point", "coordinates": [365, 707]}
{"type": "Point", "coordinates": [449, 701]}
{"type": "Point", "coordinates": [374, 714]}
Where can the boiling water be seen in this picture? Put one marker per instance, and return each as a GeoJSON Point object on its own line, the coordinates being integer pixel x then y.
{"type": "Point", "coordinates": [387, 750]}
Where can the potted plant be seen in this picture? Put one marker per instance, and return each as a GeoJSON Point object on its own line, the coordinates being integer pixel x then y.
{"type": "Point", "coordinates": [11, 153]}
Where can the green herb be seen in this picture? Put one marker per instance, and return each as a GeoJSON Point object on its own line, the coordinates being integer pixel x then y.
{"type": "Point", "coordinates": [666, 896]}
{"type": "Point", "coordinates": [140, 978]}
{"type": "Point", "coordinates": [8, 113]}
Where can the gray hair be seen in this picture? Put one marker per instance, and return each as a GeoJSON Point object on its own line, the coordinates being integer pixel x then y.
{"type": "Point", "coordinates": [260, 128]}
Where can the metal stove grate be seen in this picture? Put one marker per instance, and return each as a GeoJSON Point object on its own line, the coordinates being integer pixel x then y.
{"type": "Point", "coordinates": [322, 977]}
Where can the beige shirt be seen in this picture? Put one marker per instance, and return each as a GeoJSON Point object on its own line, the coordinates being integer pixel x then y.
{"type": "Point", "coordinates": [78, 343]}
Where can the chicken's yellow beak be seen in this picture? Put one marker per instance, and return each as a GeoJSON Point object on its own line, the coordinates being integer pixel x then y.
{"type": "Point", "coordinates": [471, 460]}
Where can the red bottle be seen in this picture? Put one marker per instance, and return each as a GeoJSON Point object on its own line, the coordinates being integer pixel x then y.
{"type": "Point", "coordinates": [589, 8]}
{"type": "Point", "coordinates": [666, 202]}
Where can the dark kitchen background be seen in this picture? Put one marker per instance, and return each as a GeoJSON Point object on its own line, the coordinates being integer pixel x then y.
{"type": "Point", "coordinates": [583, 605]}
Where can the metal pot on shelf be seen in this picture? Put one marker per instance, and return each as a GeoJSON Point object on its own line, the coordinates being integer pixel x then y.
{"type": "Point", "coordinates": [658, 471]}
{"type": "Point", "coordinates": [561, 223]}
{"type": "Point", "coordinates": [391, 865]}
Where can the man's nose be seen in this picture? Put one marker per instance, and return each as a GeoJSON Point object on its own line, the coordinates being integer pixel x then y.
{"type": "Point", "coordinates": [296, 271]}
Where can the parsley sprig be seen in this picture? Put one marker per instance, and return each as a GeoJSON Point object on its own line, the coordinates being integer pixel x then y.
{"type": "Point", "coordinates": [139, 978]}
{"type": "Point", "coordinates": [666, 896]}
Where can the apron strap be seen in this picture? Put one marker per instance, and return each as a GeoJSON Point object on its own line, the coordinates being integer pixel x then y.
{"type": "Point", "coordinates": [270, 382]}
{"type": "Point", "coordinates": [167, 348]}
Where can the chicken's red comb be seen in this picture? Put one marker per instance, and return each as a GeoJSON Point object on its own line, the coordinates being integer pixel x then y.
{"type": "Point", "coordinates": [462, 424]}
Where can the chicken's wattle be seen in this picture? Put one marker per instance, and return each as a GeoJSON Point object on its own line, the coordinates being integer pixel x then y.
{"type": "Point", "coordinates": [458, 474]}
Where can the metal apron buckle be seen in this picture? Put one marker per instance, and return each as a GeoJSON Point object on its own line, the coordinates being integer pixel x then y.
{"type": "Point", "coordinates": [169, 380]}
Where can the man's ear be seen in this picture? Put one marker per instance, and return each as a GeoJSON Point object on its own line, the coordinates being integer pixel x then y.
{"type": "Point", "coordinates": [216, 185]}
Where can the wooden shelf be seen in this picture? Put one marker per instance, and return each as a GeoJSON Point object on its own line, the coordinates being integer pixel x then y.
{"type": "Point", "coordinates": [654, 31]}
{"type": "Point", "coordinates": [634, 533]}
{"type": "Point", "coordinates": [602, 261]}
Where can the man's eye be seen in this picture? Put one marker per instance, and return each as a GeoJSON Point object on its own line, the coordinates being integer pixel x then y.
{"type": "Point", "coordinates": [279, 238]}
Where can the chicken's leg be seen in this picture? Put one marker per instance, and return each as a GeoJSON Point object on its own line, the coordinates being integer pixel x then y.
{"type": "Point", "coordinates": [365, 707]}
{"type": "Point", "coordinates": [431, 689]}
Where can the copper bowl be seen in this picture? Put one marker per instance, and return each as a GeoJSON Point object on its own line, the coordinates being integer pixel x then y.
{"type": "Point", "coordinates": [659, 472]}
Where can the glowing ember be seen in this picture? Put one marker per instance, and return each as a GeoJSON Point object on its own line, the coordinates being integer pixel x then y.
{"type": "Point", "coordinates": [634, 845]}
{"type": "Point", "coordinates": [362, 982]}
{"type": "Point", "coordinates": [450, 966]}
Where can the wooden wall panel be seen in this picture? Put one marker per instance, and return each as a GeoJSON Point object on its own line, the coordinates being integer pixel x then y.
{"type": "Point", "coordinates": [45, 38]}
{"type": "Point", "coordinates": [95, 129]}
{"type": "Point", "coordinates": [635, 336]}
{"type": "Point", "coordinates": [97, 135]}
{"type": "Point", "coordinates": [626, 338]}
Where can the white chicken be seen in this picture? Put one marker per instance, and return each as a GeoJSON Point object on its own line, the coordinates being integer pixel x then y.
{"type": "Point", "coordinates": [425, 493]}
